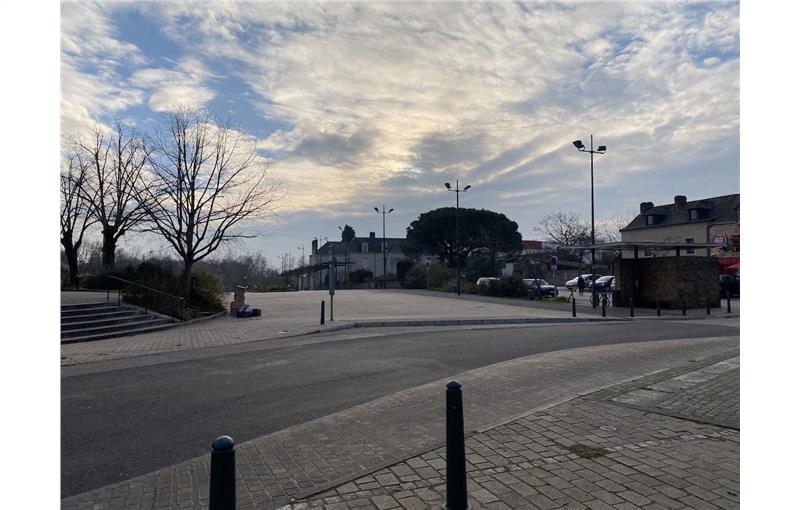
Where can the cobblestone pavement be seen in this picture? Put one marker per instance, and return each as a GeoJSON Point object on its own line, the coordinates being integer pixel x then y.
{"type": "Point", "coordinates": [357, 444]}
{"type": "Point", "coordinates": [647, 460]}
{"type": "Point", "coordinates": [290, 314]}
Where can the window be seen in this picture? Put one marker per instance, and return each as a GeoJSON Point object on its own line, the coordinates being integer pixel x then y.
{"type": "Point", "coordinates": [651, 219]}
{"type": "Point", "coordinates": [364, 263]}
{"type": "Point", "coordinates": [690, 240]}
{"type": "Point", "coordinates": [364, 247]}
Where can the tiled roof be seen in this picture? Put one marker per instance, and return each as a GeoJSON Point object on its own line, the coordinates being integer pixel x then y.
{"type": "Point", "coordinates": [719, 210]}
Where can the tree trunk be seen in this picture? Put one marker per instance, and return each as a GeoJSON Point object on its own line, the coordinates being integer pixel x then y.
{"type": "Point", "coordinates": [71, 253]}
{"type": "Point", "coordinates": [109, 248]}
{"type": "Point", "coordinates": [187, 279]}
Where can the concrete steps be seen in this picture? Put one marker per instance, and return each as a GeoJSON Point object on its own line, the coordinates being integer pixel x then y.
{"type": "Point", "coordinates": [97, 321]}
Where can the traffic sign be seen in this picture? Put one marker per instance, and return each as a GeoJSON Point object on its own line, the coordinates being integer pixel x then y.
{"type": "Point", "coordinates": [553, 260]}
{"type": "Point", "coordinates": [720, 239]}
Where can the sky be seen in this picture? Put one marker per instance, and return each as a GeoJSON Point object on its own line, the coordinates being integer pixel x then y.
{"type": "Point", "coordinates": [356, 105]}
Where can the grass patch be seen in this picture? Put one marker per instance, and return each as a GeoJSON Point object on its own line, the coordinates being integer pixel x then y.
{"type": "Point", "coordinates": [586, 451]}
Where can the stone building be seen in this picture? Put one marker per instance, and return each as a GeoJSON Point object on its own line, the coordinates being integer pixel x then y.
{"type": "Point", "coordinates": [707, 221]}
{"type": "Point", "coordinates": [360, 253]}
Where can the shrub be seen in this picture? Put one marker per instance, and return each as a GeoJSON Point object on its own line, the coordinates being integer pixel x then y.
{"type": "Point", "coordinates": [417, 276]}
{"type": "Point", "coordinates": [360, 276]}
{"type": "Point", "coordinates": [207, 291]}
{"type": "Point", "coordinates": [508, 286]}
{"type": "Point", "coordinates": [403, 266]}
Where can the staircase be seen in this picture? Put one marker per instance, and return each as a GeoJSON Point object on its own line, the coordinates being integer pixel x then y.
{"type": "Point", "coordinates": [96, 321]}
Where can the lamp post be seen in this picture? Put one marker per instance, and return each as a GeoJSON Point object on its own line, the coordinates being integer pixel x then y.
{"type": "Point", "coordinates": [384, 212]}
{"type": "Point", "coordinates": [317, 260]}
{"type": "Point", "coordinates": [600, 150]}
{"type": "Point", "coordinates": [458, 250]}
{"type": "Point", "coordinates": [302, 265]}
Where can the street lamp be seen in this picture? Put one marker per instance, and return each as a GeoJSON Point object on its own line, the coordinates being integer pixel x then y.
{"type": "Point", "coordinates": [383, 245]}
{"type": "Point", "coordinates": [600, 150]}
{"type": "Point", "coordinates": [458, 250]}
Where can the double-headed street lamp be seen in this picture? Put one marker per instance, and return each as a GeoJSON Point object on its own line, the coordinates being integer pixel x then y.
{"type": "Point", "coordinates": [600, 150]}
{"type": "Point", "coordinates": [458, 250]}
{"type": "Point", "coordinates": [383, 245]}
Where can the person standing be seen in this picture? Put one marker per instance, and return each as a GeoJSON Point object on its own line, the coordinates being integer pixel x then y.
{"type": "Point", "coordinates": [581, 285]}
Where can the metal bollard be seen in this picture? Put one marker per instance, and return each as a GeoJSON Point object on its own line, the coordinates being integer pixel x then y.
{"type": "Point", "coordinates": [728, 296]}
{"type": "Point", "coordinates": [658, 308]}
{"type": "Point", "coordinates": [708, 307]}
{"type": "Point", "coordinates": [683, 310]}
{"type": "Point", "coordinates": [573, 307]}
{"type": "Point", "coordinates": [222, 487]}
{"type": "Point", "coordinates": [456, 456]}
{"type": "Point", "coordinates": [322, 312]}
{"type": "Point", "coordinates": [631, 300]}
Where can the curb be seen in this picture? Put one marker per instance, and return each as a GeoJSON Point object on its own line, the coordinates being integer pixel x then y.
{"type": "Point", "coordinates": [469, 322]}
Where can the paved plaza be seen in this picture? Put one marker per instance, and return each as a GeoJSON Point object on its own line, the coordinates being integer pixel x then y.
{"type": "Point", "coordinates": [286, 314]}
{"type": "Point", "coordinates": [638, 402]}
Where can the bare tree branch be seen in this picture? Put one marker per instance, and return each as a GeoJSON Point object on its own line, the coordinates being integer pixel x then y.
{"type": "Point", "coordinates": [206, 181]}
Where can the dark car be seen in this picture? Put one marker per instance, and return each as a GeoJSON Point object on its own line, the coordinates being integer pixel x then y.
{"type": "Point", "coordinates": [541, 286]}
{"type": "Point", "coordinates": [604, 284]}
{"type": "Point", "coordinates": [728, 283]}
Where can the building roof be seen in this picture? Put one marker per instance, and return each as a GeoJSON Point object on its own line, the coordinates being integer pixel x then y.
{"type": "Point", "coordinates": [393, 245]}
{"type": "Point", "coordinates": [531, 245]}
{"type": "Point", "coordinates": [722, 209]}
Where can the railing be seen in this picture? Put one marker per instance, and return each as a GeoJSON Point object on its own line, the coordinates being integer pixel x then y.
{"type": "Point", "coordinates": [156, 300]}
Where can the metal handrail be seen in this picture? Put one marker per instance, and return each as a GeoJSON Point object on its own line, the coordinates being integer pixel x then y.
{"type": "Point", "coordinates": [180, 299]}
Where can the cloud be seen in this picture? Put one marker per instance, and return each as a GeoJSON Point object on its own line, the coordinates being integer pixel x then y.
{"type": "Point", "coordinates": [388, 100]}
{"type": "Point", "coordinates": [181, 86]}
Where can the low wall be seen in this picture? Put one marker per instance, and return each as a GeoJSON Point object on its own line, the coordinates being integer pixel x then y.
{"type": "Point", "coordinates": [668, 280]}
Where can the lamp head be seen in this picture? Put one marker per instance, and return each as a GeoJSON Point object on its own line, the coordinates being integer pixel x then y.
{"type": "Point", "coordinates": [602, 148]}
{"type": "Point", "coordinates": [447, 185]}
{"type": "Point", "coordinates": [578, 144]}
{"type": "Point", "coordinates": [466, 187]}
{"type": "Point", "coordinates": [392, 209]}
{"type": "Point", "coordinates": [376, 209]}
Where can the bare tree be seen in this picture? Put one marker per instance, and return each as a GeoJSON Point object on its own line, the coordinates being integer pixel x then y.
{"type": "Point", "coordinates": [206, 181]}
{"type": "Point", "coordinates": [115, 165]}
{"type": "Point", "coordinates": [75, 217]}
{"type": "Point", "coordinates": [565, 229]}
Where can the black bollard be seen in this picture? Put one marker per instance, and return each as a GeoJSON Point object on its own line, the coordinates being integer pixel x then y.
{"type": "Point", "coordinates": [683, 310]}
{"type": "Point", "coordinates": [708, 307]}
{"type": "Point", "coordinates": [658, 308]}
{"type": "Point", "coordinates": [456, 456]}
{"type": "Point", "coordinates": [573, 307]}
{"type": "Point", "coordinates": [222, 487]}
{"type": "Point", "coordinates": [322, 312]}
{"type": "Point", "coordinates": [603, 305]}
{"type": "Point", "coordinates": [631, 307]}
{"type": "Point", "coordinates": [728, 296]}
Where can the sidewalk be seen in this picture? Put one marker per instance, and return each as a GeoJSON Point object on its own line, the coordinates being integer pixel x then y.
{"type": "Point", "coordinates": [350, 450]}
{"type": "Point", "coordinates": [648, 444]}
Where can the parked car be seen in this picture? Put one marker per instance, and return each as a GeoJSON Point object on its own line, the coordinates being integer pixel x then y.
{"type": "Point", "coordinates": [604, 284]}
{"type": "Point", "coordinates": [728, 283]}
{"type": "Point", "coordinates": [573, 284]}
{"type": "Point", "coordinates": [484, 280]}
{"type": "Point", "coordinates": [542, 286]}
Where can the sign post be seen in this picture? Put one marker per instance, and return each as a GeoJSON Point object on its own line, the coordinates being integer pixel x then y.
{"type": "Point", "coordinates": [554, 267]}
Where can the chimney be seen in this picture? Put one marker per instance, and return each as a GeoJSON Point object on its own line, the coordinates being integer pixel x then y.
{"type": "Point", "coordinates": [372, 235]}
{"type": "Point", "coordinates": [314, 247]}
{"type": "Point", "coordinates": [645, 206]}
{"type": "Point", "coordinates": [680, 199]}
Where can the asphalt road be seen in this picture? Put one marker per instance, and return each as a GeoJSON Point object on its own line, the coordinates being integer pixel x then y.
{"type": "Point", "coordinates": [124, 422]}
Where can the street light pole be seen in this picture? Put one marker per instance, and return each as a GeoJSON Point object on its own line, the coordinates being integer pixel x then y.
{"type": "Point", "coordinates": [600, 150]}
{"type": "Point", "coordinates": [383, 244]}
{"type": "Point", "coordinates": [458, 248]}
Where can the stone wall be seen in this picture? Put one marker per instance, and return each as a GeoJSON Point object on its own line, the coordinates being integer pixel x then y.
{"type": "Point", "coordinates": [668, 280]}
